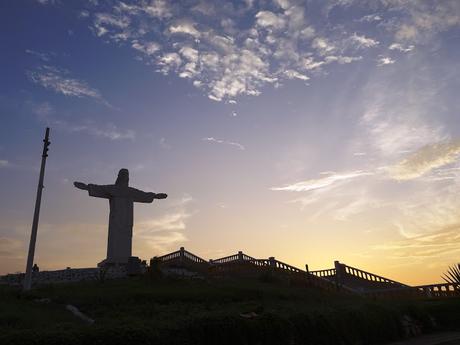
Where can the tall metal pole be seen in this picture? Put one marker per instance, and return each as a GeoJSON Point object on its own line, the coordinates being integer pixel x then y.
{"type": "Point", "coordinates": [33, 235]}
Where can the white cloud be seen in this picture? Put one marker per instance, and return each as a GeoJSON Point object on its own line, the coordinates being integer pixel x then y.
{"type": "Point", "coordinates": [323, 45]}
{"type": "Point", "coordinates": [104, 22]}
{"type": "Point", "coordinates": [269, 19]}
{"type": "Point", "coordinates": [219, 141]}
{"type": "Point", "coordinates": [247, 47]}
{"type": "Point", "coordinates": [324, 182]}
{"type": "Point", "coordinates": [406, 33]}
{"type": "Point", "coordinates": [148, 48]}
{"type": "Point", "coordinates": [292, 74]}
{"type": "Point", "coordinates": [164, 232]}
{"type": "Point", "coordinates": [392, 134]}
{"type": "Point", "coordinates": [371, 18]}
{"type": "Point", "coordinates": [185, 28]}
{"type": "Point", "coordinates": [341, 59]}
{"type": "Point", "coordinates": [401, 48]}
{"type": "Point", "coordinates": [309, 63]}
{"type": "Point", "coordinates": [242, 73]}
{"type": "Point", "coordinates": [385, 60]}
{"type": "Point", "coordinates": [425, 160]}
{"type": "Point", "coordinates": [157, 8]}
{"type": "Point", "coordinates": [110, 131]}
{"type": "Point", "coordinates": [206, 8]}
{"type": "Point", "coordinates": [363, 41]}
{"type": "Point", "coordinates": [358, 205]}
{"type": "Point", "coordinates": [84, 14]}
{"type": "Point", "coordinates": [46, 2]}
{"type": "Point", "coordinates": [171, 221]}
{"type": "Point", "coordinates": [439, 244]}
{"type": "Point", "coordinates": [425, 21]}
{"type": "Point", "coordinates": [169, 62]}
{"type": "Point", "coordinates": [108, 19]}
{"type": "Point", "coordinates": [59, 81]}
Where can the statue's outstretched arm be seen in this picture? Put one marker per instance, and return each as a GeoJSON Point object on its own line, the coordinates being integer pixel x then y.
{"type": "Point", "coordinates": [141, 196]}
{"type": "Point", "coordinates": [81, 185]}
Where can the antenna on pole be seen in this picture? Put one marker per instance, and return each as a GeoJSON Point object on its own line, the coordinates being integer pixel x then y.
{"type": "Point", "coordinates": [33, 235]}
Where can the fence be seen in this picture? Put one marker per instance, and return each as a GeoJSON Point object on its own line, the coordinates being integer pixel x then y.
{"type": "Point", "coordinates": [444, 290]}
{"type": "Point", "coordinates": [347, 275]}
{"type": "Point", "coordinates": [182, 255]}
{"type": "Point", "coordinates": [356, 272]}
{"type": "Point", "coordinates": [342, 277]}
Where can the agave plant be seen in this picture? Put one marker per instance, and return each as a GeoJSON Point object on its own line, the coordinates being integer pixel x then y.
{"type": "Point", "coordinates": [452, 275]}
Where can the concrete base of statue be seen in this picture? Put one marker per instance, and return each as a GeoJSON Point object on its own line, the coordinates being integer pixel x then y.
{"type": "Point", "coordinates": [133, 264]}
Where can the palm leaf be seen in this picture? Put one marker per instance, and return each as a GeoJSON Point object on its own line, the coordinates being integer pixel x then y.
{"type": "Point", "coordinates": [452, 275]}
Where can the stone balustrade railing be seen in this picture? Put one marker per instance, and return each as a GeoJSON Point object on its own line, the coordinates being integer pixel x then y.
{"type": "Point", "coordinates": [324, 273]}
{"type": "Point", "coordinates": [356, 272]}
{"type": "Point", "coordinates": [342, 277]}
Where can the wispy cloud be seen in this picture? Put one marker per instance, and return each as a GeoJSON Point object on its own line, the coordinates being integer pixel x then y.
{"type": "Point", "coordinates": [11, 248]}
{"type": "Point", "coordinates": [163, 233]}
{"type": "Point", "coordinates": [170, 221]}
{"type": "Point", "coordinates": [324, 182]}
{"type": "Point", "coordinates": [42, 56]}
{"type": "Point", "coordinates": [110, 131]}
{"type": "Point", "coordinates": [425, 160]}
{"type": "Point", "coordinates": [46, 2]}
{"type": "Point", "coordinates": [4, 163]}
{"type": "Point", "coordinates": [59, 80]}
{"type": "Point", "coordinates": [164, 144]}
{"type": "Point", "coordinates": [393, 127]}
{"type": "Point", "coordinates": [220, 141]}
{"type": "Point", "coordinates": [434, 245]}
{"type": "Point", "coordinates": [425, 21]}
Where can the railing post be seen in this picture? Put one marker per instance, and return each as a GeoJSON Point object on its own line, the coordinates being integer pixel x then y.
{"type": "Point", "coordinates": [182, 254]}
{"type": "Point", "coordinates": [240, 256]}
{"type": "Point", "coordinates": [338, 273]}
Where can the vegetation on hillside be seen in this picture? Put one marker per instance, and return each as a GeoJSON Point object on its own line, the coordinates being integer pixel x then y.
{"type": "Point", "coordinates": [168, 311]}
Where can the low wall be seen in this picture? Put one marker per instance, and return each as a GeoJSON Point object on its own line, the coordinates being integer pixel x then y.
{"type": "Point", "coordinates": [67, 275]}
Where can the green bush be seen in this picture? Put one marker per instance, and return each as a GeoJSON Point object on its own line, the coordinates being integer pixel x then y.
{"type": "Point", "coordinates": [168, 311]}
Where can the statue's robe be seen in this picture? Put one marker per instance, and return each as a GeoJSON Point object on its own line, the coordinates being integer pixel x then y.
{"type": "Point", "coordinates": [121, 199]}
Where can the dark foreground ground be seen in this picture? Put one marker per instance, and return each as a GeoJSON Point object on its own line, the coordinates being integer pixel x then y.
{"type": "Point", "coordinates": [238, 312]}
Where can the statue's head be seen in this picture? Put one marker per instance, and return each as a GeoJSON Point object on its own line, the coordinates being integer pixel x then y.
{"type": "Point", "coordinates": [123, 178]}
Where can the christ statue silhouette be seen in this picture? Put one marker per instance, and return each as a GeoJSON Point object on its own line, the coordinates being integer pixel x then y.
{"type": "Point", "coordinates": [121, 199]}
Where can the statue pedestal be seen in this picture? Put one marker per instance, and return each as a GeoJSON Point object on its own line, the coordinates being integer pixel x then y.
{"type": "Point", "coordinates": [133, 265]}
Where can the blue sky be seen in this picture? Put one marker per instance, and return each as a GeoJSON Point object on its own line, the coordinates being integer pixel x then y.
{"type": "Point", "coordinates": [308, 130]}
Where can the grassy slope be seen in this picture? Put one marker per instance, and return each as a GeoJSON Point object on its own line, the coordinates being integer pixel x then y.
{"type": "Point", "coordinates": [142, 311]}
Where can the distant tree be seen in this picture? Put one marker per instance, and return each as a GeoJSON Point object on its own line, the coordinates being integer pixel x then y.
{"type": "Point", "coordinates": [452, 275]}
